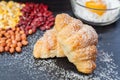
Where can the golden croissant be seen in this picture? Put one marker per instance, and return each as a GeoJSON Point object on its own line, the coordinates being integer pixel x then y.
{"type": "Point", "coordinates": [72, 39]}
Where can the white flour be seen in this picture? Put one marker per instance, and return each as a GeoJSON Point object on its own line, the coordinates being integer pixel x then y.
{"type": "Point", "coordinates": [87, 15]}
{"type": "Point", "coordinates": [105, 69]}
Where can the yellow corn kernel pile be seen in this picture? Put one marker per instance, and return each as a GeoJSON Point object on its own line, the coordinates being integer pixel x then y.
{"type": "Point", "coordinates": [9, 14]}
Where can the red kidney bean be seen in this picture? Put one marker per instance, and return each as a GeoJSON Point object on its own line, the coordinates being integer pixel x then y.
{"type": "Point", "coordinates": [36, 16]}
{"type": "Point", "coordinates": [39, 14]}
{"type": "Point", "coordinates": [28, 27]}
{"type": "Point", "coordinates": [42, 28]}
{"type": "Point", "coordinates": [34, 29]}
{"type": "Point", "coordinates": [50, 24]}
{"type": "Point", "coordinates": [51, 19]}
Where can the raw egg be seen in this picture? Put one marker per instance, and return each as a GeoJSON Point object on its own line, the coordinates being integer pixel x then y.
{"type": "Point", "coordinates": [96, 4]}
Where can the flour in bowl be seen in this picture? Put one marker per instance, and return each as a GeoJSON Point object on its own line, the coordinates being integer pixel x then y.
{"type": "Point", "coordinates": [111, 13]}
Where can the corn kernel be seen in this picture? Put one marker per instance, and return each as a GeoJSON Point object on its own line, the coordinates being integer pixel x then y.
{"type": "Point", "coordinates": [9, 14]}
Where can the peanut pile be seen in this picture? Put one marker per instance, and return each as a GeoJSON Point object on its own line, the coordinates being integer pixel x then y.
{"type": "Point", "coordinates": [12, 40]}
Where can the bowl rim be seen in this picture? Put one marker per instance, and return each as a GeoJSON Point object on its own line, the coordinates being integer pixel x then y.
{"type": "Point", "coordinates": [96, 8]}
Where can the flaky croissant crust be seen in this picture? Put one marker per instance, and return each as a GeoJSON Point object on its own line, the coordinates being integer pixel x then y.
{"type": "Point", "coordinates": [71, 38]}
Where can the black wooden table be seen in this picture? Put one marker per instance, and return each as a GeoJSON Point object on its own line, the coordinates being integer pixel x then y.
{"type": "Point", "coordinates": [24, 67]}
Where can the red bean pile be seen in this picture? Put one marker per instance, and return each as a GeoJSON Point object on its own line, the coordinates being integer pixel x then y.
{"type": "Point", "coordinates": [35, 16]}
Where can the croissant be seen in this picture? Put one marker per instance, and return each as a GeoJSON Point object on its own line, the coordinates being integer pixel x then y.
{"type": "Point", "coordinates": [72, 39]}
{"type": "Point", "coordinates": [48, 46]}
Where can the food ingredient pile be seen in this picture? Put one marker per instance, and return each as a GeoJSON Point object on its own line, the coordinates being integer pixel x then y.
{"type": "Point", "coordinates": [18, 20]}
{"type": "Point", "coordinates": [35, 16]}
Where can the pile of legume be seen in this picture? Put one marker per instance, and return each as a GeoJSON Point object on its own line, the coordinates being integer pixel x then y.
{"type": "Point", "coordinates": [12, 40]}
{"type": "Point", "coordinates": [18, 20]}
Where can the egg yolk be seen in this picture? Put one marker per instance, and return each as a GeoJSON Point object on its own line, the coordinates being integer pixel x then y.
{"type": "Point", "coordinates": [96, 5]}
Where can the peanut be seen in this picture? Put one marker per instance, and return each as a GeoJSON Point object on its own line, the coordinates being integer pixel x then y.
{"type": "Point", "coordinates": [24, 42]}
{"type": "Point", "coordinates": [18, 49]}
{"type": "Point", "coordinates": [1, 48]}
{"type": "Point", "coordinates": [12, 50]}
